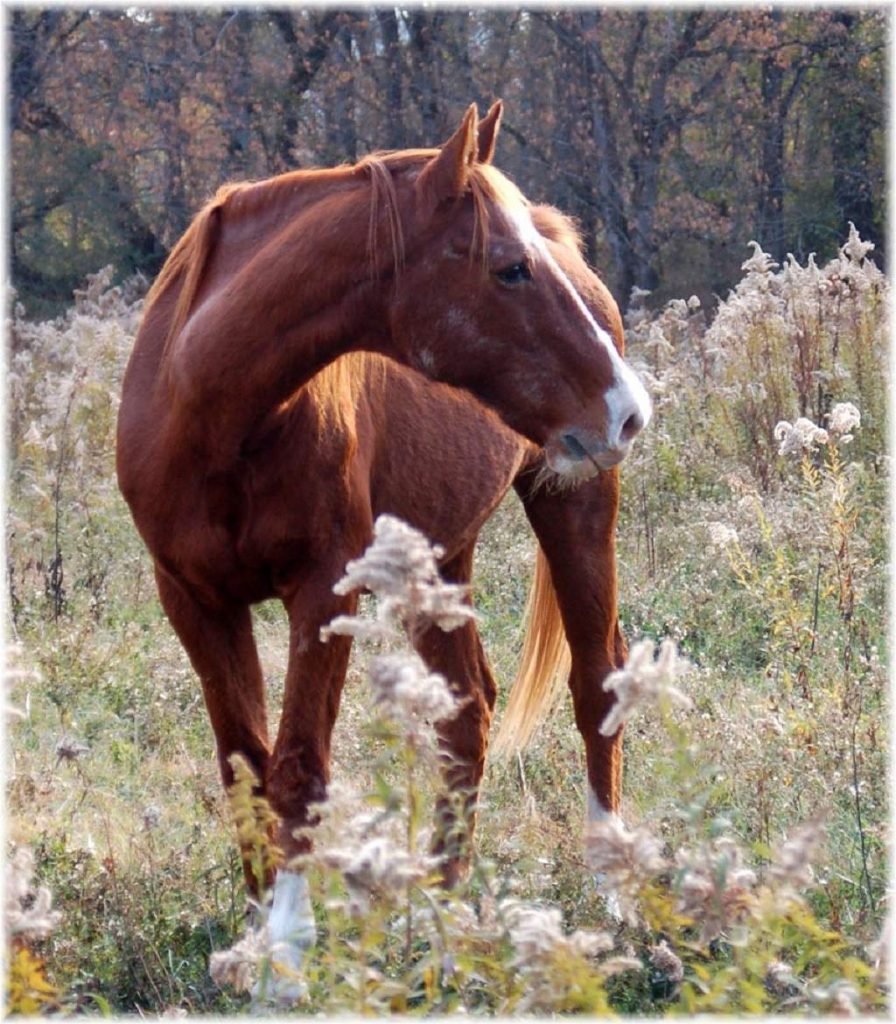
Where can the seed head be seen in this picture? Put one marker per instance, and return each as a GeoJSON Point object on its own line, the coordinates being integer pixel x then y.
{"type": "Point", "coordinates": [791, 865]}
{"type": "Point", "coordinates": [721, 535]}
{"type": "Point", "coordinates": [798, 437]}
{"type": "Point", "coordinates": [400, 568]}
{"type": "Point", "coordinates": [715, 889]}
{"type": "Point", "coordinates": [666, 961]}
{"type": "Point", "coordinates": [843, 419]}
{"type": "Point", "coordinates": [644, 680]}
{"type": "Point", "coordinates": [28, 911]}
{"type": "Point", "coordinates": [378, 869]}
{"type": "Point", "coordinates": [537, 935]}
{"type": "Point", "coordinates": [404, 688]}
{"type": "Point", "coordinates": [238, 966]}
{"type": "Point", "coordinates": [780, 980]}
{"type": "Point", "coordinates": [624, 859]}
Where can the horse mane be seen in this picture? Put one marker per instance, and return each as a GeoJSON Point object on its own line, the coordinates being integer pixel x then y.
{"type": "Point", "coordinates": [558, 227]}
{"type": "Point", "coordinates": [189, 258]}
{"type": "Point", "coordinates": [335, 390]}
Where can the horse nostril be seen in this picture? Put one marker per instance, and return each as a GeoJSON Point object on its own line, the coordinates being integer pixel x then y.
{"type": "Point", "coordinates": [574, 446]}
{"type": "Point", "coordinates": [632, 427]}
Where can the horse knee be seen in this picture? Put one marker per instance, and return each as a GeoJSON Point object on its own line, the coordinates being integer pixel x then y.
{"type": "Point", "coordinates": [296, 780]}
{"type": "Point", "coordinates": [464, 739]}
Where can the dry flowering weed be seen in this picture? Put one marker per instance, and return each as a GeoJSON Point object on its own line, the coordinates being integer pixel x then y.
{"type": "Point", "coordinates": [28, 910]}
{"type": "Point", "coordinates": [625, 860]}
{"type": "Point", "coordinates": [553, 965]}
{"type": "Point", "coordinates": [400, 568]}
{"type": "Point", "coordinates": [538, 936]}
{"type": "Point", "coordinates": [722, 535]}
{"type": "Point", "coordinates": [843, 419]}
{"type": "Point", "coordinates": [781, 982]}
{"type": "Point", "coordinates": [839, 999]}
{"type": "Point", "coordinates": [666, 961]}
{"type": "Point", "coordinates": [800, 436]}
{"type": "Point", "coordinates": [791, 863]}
{"type": "Point", "coordinates": [239, 967]}
{"type": "Point", "coordinates": [405, 690]}
{"type": "Point", "coordinates": [715, 887]}
{"type": "Point", "coordinates": [645, 680]}
{"type": "Point", "coordinates": [379, 869]}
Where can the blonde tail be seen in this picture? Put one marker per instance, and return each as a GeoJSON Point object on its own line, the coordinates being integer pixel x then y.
{"type": "Point", "coordinates": [544, 667]}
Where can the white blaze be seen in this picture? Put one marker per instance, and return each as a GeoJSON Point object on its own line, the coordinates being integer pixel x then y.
{"type": "Point", "coordinates": [627, 395]}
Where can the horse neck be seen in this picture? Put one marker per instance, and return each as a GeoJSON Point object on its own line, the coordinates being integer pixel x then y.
{"type": "Point", "coordinates": [285, 290]}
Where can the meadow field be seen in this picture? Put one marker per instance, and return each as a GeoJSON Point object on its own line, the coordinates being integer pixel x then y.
{"type": "Point", "coordinates": [753, 871]}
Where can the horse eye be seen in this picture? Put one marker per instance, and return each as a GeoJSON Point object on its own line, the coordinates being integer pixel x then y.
{"type": "Point", "coordinates": [516, 273]}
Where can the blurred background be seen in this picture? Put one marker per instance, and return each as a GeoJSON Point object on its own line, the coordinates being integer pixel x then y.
{"type": "Point", "coordinates": [674, 137]}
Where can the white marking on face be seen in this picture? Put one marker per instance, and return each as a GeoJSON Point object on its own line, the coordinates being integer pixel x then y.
{"type": "Point", "coordinates": [459, 320]}
{"type": "Point", "coordinates": [627, 396]}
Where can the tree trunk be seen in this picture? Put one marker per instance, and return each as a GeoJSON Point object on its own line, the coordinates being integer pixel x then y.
{"type": "Point", "coordinates": [304, 66]}
{"type": "Point", "coordinates": [389, 76]}
{"type": "Point", "coordinates": [771, 230]}
{"type": "Point", "coordinates": [422, 26]}
{"type": "Point", "coordinates": [851, 124]}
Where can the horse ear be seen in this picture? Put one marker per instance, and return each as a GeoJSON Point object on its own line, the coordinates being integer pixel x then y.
{"type": "Point", "coordinates": [488, 132]}
{"type": "Point", "coordinates": [446, 174]}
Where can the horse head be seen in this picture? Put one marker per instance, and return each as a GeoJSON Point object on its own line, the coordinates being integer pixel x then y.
{"type": "Point", "coordinates": [487, 303]}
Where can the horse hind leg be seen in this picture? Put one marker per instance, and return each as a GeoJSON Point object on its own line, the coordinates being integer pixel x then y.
{"type": "Point", "coordinates": [221, 647]}
{"type": "Point", "coordinates": [458, 655]}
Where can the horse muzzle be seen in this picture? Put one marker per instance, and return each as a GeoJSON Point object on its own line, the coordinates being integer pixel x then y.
{"type": "Point", "coordinates": [569, 458]}
{"type": "Point", "coordinates": [579, 454]}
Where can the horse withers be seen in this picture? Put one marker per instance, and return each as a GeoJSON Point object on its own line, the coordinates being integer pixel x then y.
{"type": "Point", "coordinates": [288, 385]}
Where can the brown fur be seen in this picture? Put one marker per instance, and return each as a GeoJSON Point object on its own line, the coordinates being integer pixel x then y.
{"type": "Point", "coordinates": [262, 429]}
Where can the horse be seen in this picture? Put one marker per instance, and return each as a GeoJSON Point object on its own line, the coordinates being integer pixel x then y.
{"type": "Point", "coordinates": [288, 384]}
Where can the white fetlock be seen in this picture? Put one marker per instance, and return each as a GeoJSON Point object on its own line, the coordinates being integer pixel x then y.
{"type": "Point", "coordinates": [598, 813]}
{"type": "Point", "coordinates": [290, 931]}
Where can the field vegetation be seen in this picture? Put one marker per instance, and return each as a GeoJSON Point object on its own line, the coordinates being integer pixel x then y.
{"type": "Point", "coordinates": [751, 876]}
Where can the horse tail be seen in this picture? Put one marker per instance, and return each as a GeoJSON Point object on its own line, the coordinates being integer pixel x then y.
{"type": "Point", "coordinates": [544, 666]}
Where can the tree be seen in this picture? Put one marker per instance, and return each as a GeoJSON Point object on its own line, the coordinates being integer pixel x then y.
{"type": "Point", "coordinates": [673, 136]}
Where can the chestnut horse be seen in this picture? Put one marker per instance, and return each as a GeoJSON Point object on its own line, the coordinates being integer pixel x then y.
{"type": "Point", "coordinates": [262, 430]}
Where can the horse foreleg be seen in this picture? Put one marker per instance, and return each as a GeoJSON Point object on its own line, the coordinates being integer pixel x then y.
{"type": "Point", "coordinates": [458, 655]}
{"type": "Point", "coordinates": [221, 647]}
{"type": "Point", "coordinates": [299, 766]}
{"type": "Point", "coordinates": [576, 533]}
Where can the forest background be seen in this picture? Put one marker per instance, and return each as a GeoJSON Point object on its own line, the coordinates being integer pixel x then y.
{"type": "Point", "coordinates": [673, 136]}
